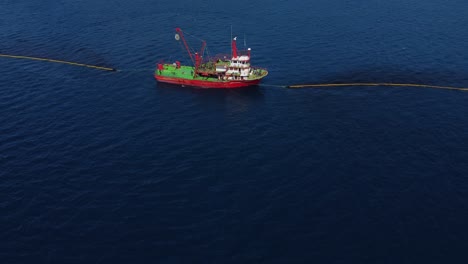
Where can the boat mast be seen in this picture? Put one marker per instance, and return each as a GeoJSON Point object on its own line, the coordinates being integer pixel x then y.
{"type": "Point", "coordinates": [234, 47]}
{"type": "Point", "coordinates": [199, 58]}
{"type": "Point", "coordinates": [202, 50]}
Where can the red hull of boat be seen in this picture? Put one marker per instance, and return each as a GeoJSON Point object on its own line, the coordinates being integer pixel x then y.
{"type": "Point", "coordinates": [207, 84]}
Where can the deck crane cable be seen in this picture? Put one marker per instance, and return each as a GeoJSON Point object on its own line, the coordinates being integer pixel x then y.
{"type": "Point", "coordinates": [197, 38]}
{"type": "Point", "coordinates": [183, 49]}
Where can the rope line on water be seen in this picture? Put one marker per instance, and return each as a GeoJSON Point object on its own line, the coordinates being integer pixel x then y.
{"type": "Point", "coordinates": [58, 61]}
{"type": "Point", "coordinates": [321, 85]}
{"type": "Point", "coordinates": [296, 86]}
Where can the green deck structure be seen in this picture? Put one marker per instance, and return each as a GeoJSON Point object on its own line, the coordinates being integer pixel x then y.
{"type": "Point", "coordinates": [187, 72]}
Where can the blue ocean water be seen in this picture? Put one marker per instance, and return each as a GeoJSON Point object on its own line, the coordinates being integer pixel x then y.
{"type": "Point", "coordinates": [112, 167]}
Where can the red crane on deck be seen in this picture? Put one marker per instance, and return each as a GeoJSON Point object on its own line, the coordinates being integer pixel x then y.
{"type": "Point", "coordinates": [198, 56]}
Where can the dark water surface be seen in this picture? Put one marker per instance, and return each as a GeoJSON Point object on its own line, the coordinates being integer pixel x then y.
{"type": "Point", "coordinates": [111, 167]}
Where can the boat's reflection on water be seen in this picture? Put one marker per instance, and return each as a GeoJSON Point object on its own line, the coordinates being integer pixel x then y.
{"type": "Point", "coordinates": [232, 100]}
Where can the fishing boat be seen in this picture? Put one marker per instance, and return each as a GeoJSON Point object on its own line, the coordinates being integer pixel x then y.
{"type": "Point", "coordinates": [222, 71]}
